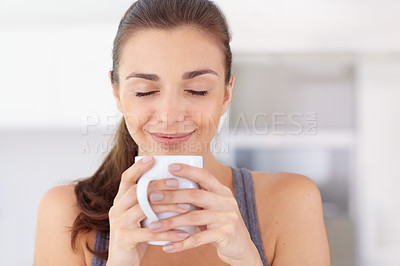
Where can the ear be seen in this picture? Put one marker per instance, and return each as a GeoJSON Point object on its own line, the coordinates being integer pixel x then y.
{"type": "Point", "coordinates": [228, 95]}
{"type": "Point", "coordinates": [115, 92]}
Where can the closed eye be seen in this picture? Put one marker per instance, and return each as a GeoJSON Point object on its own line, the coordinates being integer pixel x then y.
{"type": "Point", "coordinates": [196, 93]}
{"type": "Point", "coordinates": [199, 93]}
{"type": "Point", "coordinates": [141, 94]}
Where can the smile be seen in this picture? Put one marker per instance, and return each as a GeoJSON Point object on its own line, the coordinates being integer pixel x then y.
{"type": "Point", "coordinates": [171, 139]}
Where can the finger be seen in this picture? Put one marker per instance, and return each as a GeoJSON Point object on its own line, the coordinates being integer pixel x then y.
{"type": "Point", "coordinates": [196, 217]}
{"type": "Point", "coordinates": [201, 176]}
{"type": "Point", "coordinates": [129, 199]}
{"type": "Point", "coordinates": [163, 184]}
{"type": "Point", "coordinates": [170, 208]}
{"type": "Point", "coordinates": [138, 235]}
{"type": "Point", "coordinates": [132, 174]}
{"type": "Point", "coordinates": [199, 238]}
{"type": "Point", "coordinates": [126, 201]}
{"type": "Point", "coordinates": [196, 197]}
{"type": "Point", "coordinates": [135, 215]}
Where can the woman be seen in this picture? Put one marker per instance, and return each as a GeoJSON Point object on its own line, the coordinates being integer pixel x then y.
{"type": "Point", "coordinates": [172, 76]}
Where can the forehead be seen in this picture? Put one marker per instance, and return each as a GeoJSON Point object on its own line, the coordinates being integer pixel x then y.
{"type": "Point", "coordinates": [178, 50]}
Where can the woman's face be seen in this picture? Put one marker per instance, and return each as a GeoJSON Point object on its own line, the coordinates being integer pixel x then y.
{"type": "Point", "coordinates": [172, 82]}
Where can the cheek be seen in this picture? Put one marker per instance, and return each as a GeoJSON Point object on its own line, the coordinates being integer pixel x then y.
{"type": "Point", "coordinates": [133, 122]}
{"type": "Point", "coordinates": [135, 117]}
{"type": "Point", "coordinates": [135, 113]}
{"type": "Point", "coordinates": [209, 120]}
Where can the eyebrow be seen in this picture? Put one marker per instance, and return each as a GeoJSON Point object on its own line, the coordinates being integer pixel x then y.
{"type": "Point", "coordinates": [185, 76]}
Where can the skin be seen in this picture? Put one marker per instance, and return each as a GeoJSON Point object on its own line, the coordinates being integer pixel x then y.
{"type": "Point", "coordinates": [288, 205]}
{"type": "Point", "coordinates": [173, 108]}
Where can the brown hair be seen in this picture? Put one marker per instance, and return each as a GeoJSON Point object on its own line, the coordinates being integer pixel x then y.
{"type": "Point", "coordinates": [95, 194]}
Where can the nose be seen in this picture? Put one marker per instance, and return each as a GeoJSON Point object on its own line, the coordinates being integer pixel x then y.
{"type": "Point", "coordinates": [171, 107]}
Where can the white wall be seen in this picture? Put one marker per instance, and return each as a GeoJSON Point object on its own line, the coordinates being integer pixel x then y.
{"type": "Point", "coordinates": [32, 161]}
{"type": "Point", "coordinates": [378, 160]}
{"type": "Point", "coordinates": [54, 76]}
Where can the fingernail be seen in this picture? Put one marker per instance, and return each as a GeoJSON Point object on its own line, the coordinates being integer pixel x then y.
{"type": "Point", "coordinates": [183, 234]}
{"type": "Point", "coordinates": [156, 196]}
{"type": "Point", "coordinates": [184, 206]}
{"type": "Point", "coordinates": [172, 183]}
{"type": "Point", "coordinates": [147, 159]}
{"type": "Point", "coordinates": [155, 225]}
{"type": "Point", "coordinates": [168, 247]}
{"type": "Point", "coordinates": [174, 167]}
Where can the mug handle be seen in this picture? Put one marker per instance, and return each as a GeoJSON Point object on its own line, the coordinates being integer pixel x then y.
{"type": "Point", "coordinates": [141, 193]}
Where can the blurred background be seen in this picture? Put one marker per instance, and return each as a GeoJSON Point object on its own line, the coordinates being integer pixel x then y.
{"type": "Point", "coordinates": [317, 93]}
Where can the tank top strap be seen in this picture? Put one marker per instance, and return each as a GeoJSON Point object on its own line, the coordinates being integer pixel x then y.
{"type": "Point", "coordinates": [244, 194]}
{"type": "Point", "coordinates": [101, 244]}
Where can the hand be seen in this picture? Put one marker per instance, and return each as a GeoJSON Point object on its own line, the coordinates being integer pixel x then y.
{"type": "Point", "coordinates": [127, 239]}
{"type": "Point", "coordinates": [218, 218]}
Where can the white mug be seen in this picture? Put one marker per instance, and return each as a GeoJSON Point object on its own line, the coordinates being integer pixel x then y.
{"type": "Point", "coordinates": [160, 171]}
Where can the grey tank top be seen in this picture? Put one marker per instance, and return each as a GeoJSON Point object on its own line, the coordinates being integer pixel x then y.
{"type": "Point", "coordinates": [244, 194]}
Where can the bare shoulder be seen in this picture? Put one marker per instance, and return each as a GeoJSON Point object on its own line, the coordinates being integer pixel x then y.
{"type": "Point", "coordinates": [283, 181]}
{"type": "Point", "coordinates": [56, 214]}
{"type": "Point", "coordinates": [283, 193]}
{"type": "Point", "coordinates": [290, 214]}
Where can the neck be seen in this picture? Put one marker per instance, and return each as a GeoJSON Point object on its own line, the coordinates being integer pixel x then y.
{"type": "Point", "coordinates": [222, 172]}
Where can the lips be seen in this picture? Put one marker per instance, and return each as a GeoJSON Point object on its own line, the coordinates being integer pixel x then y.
{"type": "Point", "coordinates": [171, 139]}
{"type": "Point", "coordinates": [175, 135]}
